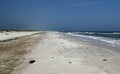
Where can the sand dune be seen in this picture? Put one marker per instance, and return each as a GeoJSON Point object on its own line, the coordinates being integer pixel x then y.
{"type": "Point", "coordinates": [13, 34]}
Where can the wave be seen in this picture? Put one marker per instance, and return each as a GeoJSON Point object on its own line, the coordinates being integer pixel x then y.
{"type": "Point", "coordinates": [110, 41]}
{"type": "Point", "coordinates": [98, 32]}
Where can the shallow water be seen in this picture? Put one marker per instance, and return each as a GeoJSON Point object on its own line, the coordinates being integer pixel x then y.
{"type": "Point", "coordinates": [109, 39]}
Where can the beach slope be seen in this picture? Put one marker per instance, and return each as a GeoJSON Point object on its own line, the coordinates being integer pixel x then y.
{"type": "Point", "coordinates": [55, 53]}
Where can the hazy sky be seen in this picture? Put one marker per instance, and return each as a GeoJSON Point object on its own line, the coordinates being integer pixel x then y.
{"type": "Point", "coordinates": [76, 15]}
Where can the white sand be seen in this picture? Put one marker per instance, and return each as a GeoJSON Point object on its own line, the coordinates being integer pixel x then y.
{"type": "Point", "coordinates": [56, 54]}
{"type": "Point", "coordinates": [13, 34]}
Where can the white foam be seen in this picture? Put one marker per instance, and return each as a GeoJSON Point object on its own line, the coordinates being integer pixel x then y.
{"type": "Point", "coordinates": [111, 41]}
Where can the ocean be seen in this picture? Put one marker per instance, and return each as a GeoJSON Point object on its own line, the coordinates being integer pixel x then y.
{"type": "Point", "coordinates": [106, 38]}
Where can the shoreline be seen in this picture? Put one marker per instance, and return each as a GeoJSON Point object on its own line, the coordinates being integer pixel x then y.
{"type": "Point", "coordinates": [113, 48]}
{"type": "Point", "coordinates": [55, 53]}
{"type": "Point", "coordinates": [58, 54]}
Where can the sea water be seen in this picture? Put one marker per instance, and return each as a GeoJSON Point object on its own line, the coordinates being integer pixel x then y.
{"type": "Point", "coordinates": [106, 38]}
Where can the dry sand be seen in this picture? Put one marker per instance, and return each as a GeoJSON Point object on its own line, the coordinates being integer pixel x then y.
{"type": "Point", "coordinates": [57, 54]}
{"type": "Point", "coordinates": [13, 34]}
{"type": "Point", "coordinates": [12, 51]}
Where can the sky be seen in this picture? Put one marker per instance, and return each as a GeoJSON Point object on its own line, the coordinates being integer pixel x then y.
{"type": "Point", "coordinates": [60, 15]}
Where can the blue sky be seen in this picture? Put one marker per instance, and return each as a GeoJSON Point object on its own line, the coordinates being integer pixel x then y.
{"type": "Point", "coordinates": [62, 15]}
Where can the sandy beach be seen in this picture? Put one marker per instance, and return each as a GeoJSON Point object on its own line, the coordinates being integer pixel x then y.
{"type": "Point", "coordinates": [54, 53]}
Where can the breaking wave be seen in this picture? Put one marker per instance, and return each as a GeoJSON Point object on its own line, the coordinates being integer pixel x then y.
{"type": "Point", "coordinates": [112, 39]}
